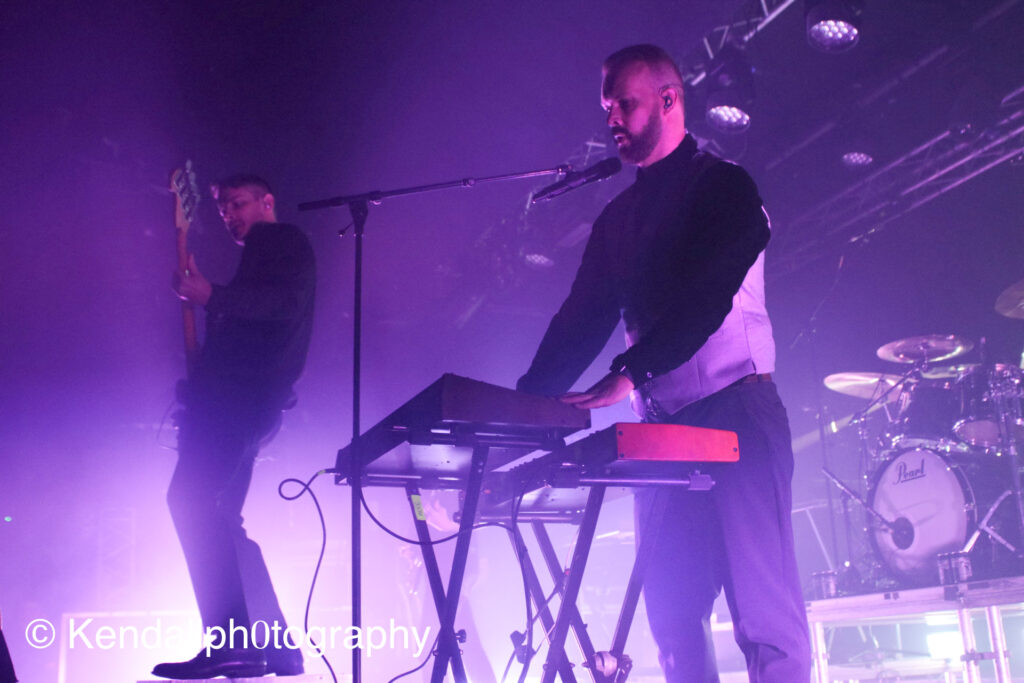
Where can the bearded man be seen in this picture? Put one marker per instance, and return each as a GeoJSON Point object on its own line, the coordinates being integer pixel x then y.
{"type": "Point", "coordinates": [679, 257]}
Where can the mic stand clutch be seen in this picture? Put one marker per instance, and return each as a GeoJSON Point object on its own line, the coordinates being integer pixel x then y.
{"type": "Point", "coordinates": [359, 208]}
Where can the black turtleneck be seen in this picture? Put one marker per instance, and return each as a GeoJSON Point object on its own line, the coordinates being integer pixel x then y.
{"type": "Point", "coordinates": [258, 326]}
{"type": "Point", "coordinates": [667, 255]}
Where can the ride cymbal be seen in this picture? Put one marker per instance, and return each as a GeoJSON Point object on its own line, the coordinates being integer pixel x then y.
{"type": "Point", "coordinates": [926, 348]}
{"type": "Point", "coordinates": [1011, 302]}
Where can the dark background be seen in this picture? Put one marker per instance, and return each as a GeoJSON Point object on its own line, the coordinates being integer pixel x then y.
{"type": "Point", "coordinates": [99, 104]}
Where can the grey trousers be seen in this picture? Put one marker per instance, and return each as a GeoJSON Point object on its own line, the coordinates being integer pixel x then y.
{"type": "Point", "coordinates": [739, 537]}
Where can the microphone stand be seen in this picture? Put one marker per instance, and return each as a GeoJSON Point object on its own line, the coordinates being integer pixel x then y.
{"type": "Point", "coordinates": [810, 333]}
{"type": "Point", "coordinates": [359, 208]}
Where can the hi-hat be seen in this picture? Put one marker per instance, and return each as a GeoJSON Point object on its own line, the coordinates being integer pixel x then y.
{"type": "Point", "coordinates": [949, 371]}
{"type": "Point", "coordinates": [1011, 302]}
{"type": "Point", "coordinates": [964, 369]}
{"type": "Point", "coordinates": [930, 348]}
{"type": "Point", "coordinates": [867, 385]}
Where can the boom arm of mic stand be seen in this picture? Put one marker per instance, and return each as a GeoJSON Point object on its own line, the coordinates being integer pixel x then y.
{"type": "Point", "coordinates": [359, 208]}
{"type": "Point", "coordinates": [860, 501]}
{"type": "Point", "coordinates": [377, 196]}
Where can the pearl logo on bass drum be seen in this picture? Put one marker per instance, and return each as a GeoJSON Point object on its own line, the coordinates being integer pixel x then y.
{"type": "Point", "coordinates": [905, 474]}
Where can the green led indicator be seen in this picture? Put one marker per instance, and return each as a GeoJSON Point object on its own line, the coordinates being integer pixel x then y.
{"type": "Point", "coordinates": [8, 518]}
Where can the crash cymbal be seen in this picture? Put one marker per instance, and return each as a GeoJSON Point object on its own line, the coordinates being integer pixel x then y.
{"type": "Point", "coordinates": [1011, 302]}
{"type": "Point", "coordinates": [929, 347]}
{"type": "Point", "coordinates": [867, 385]}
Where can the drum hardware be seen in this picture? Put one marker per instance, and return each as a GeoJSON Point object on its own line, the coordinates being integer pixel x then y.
{"type": "Point", "coordinates": [825, 584]}
{"type": "Point", "coordinates": [983, 525]}
{"type": "Point", "coordinates": [934, 488]}
{"type": "Point", "coordinates": [990, 393]}
{"type": "Point", "coordinates": [954, 568]}
{"type": "Point", "coordinates": [881, 389]}
{"type": "Point", "coordinates": [1009, 433]}
{"type": "Point", "coordinates": [900, 529]}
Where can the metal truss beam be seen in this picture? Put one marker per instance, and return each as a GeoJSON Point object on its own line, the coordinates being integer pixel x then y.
{"type": "Point", "coordinates": [916, 178]}
{"type": "Point", "coordinates": [752, 18]}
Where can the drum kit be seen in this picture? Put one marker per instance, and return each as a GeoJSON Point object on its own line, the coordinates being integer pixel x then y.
{"type": "Point", "coordinates": [942, 474]}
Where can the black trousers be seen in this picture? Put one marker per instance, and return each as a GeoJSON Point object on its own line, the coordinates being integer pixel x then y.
{"type": "Point", "coordinates": [219, 437]}
{"type": "Point", "coordinates": [739, 537]}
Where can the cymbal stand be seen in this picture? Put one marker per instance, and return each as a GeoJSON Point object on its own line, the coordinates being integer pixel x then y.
{"type": "Point", "coordinates": [1008, 439]}
{"type": "Point", "coordinates": [1008, 443]}
{"type": "Point", "coordinates": [915, 370]}
{"type": "Point", "coordinates": [810, 331]}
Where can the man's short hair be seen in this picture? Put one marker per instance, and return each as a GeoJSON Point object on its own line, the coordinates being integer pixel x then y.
{"type": "Point", "coordinates": [233, 182]}
{"type": "Point", "coordinates": [656, 59]}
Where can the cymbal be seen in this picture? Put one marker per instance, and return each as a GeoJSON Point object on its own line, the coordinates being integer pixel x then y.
{"type": "Point", "coordinates": [1011, 302]}
{"type": "Point", "coordinates": [867, 385]}
{"type": "Point", "coordinates": [930, 347]}
{"type": "Point", "coordinates": [964, 369]}
{"type": "Point", "coordinates": [949, 371]}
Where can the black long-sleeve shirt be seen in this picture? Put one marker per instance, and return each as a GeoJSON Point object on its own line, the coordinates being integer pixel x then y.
{"type": "Point", "coordinates": [258, 326]}
{"type": "Point", "coordinates": [667, 255]}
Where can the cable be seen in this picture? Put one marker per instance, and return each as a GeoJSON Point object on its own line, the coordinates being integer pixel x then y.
{"type": "Point", "coordinates": [163, 423]}
{"type": "Point", "coordinates": [517, 503]}
{"type": "Point", "coordinates": [426, 659]}
{"type": "Point", "coordinates": [323, 548]}
{"type": "Point", "coordinates": [432, 542]}
{"type": "Point", "coordinates": [547, 601]}
{"type": "Point", "coordinates": [413, 541]}
{"type": "Point", "coordinates": [528, 632]}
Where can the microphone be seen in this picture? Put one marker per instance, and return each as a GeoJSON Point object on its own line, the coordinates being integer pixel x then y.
{"type": "Point", "coordinates": [573, 179]}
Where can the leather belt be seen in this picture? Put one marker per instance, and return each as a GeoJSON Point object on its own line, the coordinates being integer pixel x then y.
{"type": "Point", "coordinates": [753, 378]}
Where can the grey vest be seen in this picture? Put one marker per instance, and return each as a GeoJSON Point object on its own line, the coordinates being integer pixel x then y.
{"type": "Point", "coordinates": [743, 345]}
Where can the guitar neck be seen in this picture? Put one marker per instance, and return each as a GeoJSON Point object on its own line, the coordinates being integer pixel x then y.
{"type": "Point", "coordinates": [188, 314]}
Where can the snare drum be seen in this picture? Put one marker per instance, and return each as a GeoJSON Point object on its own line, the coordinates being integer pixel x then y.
{"type": "Point", "coordinates": [985, 393]}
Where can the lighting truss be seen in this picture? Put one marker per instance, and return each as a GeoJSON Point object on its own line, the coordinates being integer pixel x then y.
{"type": "Point", "coordinates": [752, 18]}
{"type": "Point", "coordinates": [928, 171]}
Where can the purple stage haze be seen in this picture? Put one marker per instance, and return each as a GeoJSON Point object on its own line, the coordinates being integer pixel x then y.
{"type": "Point", "coordinates": [97, 105]}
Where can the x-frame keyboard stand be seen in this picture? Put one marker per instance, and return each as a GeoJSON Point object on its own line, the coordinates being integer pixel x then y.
{"type": "Point", "coordinates": [612, 666]}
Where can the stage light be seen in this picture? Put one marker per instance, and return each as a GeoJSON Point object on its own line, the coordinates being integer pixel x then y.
{"type": "Point", "coordinates": [728, 119]}
{"type": "Point", "coordinates": [833, 25]}
{"type": "Point", "coordinates": [730, 88]}
{"type": "Point", "coordinates": [857, 143]}
{"type": "Point", "coordinates": [535, 252]}
{"type": "Point", "coordinates": [538, 260]}
{"type": "Point", "coordinates": [857, 159]}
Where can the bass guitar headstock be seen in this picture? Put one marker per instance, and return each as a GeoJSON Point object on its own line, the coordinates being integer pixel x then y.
{"type": "Point", "coordinates": [186, 196]}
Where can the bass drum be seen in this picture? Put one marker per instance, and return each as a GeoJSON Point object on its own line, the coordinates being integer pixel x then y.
{"type": "Point", "coordinates": [929, 492]}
